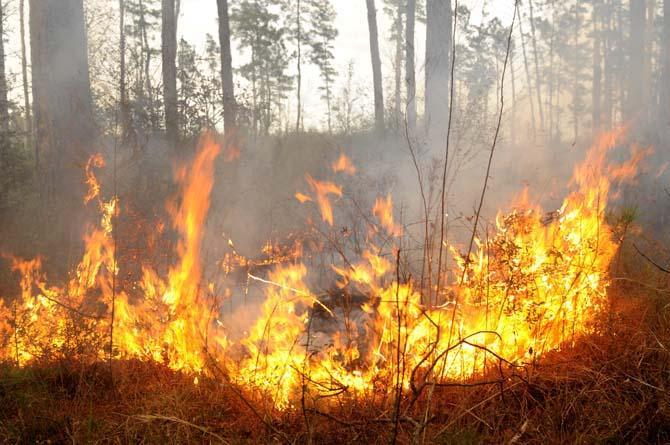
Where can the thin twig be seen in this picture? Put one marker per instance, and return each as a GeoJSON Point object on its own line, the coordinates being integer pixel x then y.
{"type": "Point", "coordinates": [488, 167]}
{"type": "Point", "coordinates": [150, 417]}
{"type": "Point", "coordinates": [658, 266]}
{"type": "Point", "coordinates": [446, 149]}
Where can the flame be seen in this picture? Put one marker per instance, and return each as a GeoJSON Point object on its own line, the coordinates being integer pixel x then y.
{"type": "Point", "coordinates": [321, 190]}
{"type": "Point", "coordinates": [383, 210]}
{"type": "Point", "coordinates": [95, 161]}
{"type": "Point", "coordinates": [344, 165]}
{"type": "Point", "coordinates": [181, 339]}
{"type": "Point", "coordinates": [535, 283]}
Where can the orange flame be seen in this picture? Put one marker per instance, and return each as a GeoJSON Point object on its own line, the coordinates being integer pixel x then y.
{"type": "Point", "coordinates": [383, 210]}
{"type": "Point", "coordinates": [344, 165]}
{"type": "Point", "coordinates": [321, 190]}
{"type": "Point", "coordinates": [95, 161]}
{"type": "Point", "coordinates": [534, 284]}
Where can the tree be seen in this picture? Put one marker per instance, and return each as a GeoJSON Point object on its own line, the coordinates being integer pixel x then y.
{"type": "Point", "coordinates": [597, 71]}
{"type": "Point", "coordinates": [191, 97]}
{"type": "Point", "coordinates": [395, 10]}
{"type": "Point", "coordinates": [410, 74]}
{"type": "Point", "coordinates": [527, 70]}
{"type": "Point", "coordinates": [24, 75]}
{"type": "Point", "coordinates": [376, 66]}
{"type": "Point", "coordinates": [169, 53]}
{"type": "Point", "coordinates": [141, 21]}
{"type": "Point", "coordinates": [4, 103]}
{"type": "Point", "coordinates": [258, 29]}
{"type": "Point", "coordinates": [538, 79]}
{"type": "Point", "coordinates": [323, 33]}
{"type": "Point", "coordinates": [229, 105]}
{"type": "Point", "coordinates": [65, 130]}
{"type": "Point", "coordinates": [636, 58]}
{"type": "Point", "coordinates": [297, 34]}
{"type": "Point", "coordinates": [438, 66]}
{"type": "Point", "coordinates": [664, 95]}
{"type": "Point", "coordinates": [123, 91]}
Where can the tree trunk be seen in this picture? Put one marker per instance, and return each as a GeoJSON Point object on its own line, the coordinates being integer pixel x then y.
{"type": "Point", "coordinates": [299, 66]}
{"type": "Point", "coordinates": [552, 75]}
{"type": "Point", "coordinates": [376, 66]}
{"type": "Point", "coordinates": [398, 68]}
{"type": "Point", "coordinates": [229, 105]}
{"type": "Point", "coordinates": [648, 99]}
{"type": "Point", "coordinates": [608, 75]}
{"type": "Point", "coordinates": [513, 120]}
{"type": "Point", "coordinates": [538, 79]}
{"type": "Point", "coordinates": [437, 68]}
{"type": "Point", "coordinates": [24, 74]}
{"type": "Point", "coordinates": [575, 74]}
{"type": "Point", "coordinates": [410, 75]}
{"type": "Point", "coordinates": [169, 54]}
{"type": "Point", "coordinates": [528, 79]}
{"type": "Point", "coordinates": [597, 73]}
{"type": "Point", "coordinates": [636, 59]}
{"type": "Point", "coordinates": [665, 75]}
{"type": "Point", "coordinates": [123, 92]}
{"type": "Point", "coordinates": [64, 126]}
{"type": "Point", "coordinates": [4, 105]}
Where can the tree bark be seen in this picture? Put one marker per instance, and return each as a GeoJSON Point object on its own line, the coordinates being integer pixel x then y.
{"type": "Point", "coordinates": [636, 58]}
{"type": "Point", "coordinates": [665, 75]}
{"type": "Point", "coordinates": [538, 79]}
{"type": "Point", "coordinates": [169, 54]}
{"type": "Point", "coordinates": [398, 68]}
{"type": "Point", "coordinates": [229, 105]}
{"type": "Point", "coordinates": [24, 74]}
{"type": "Point", "coordinates": [376, 66]}
{"type": "Point", "coordinates": [64, 127]}
{"type": "Point", "coordinates": [4, 105]}
{"type": "Point", "coordinates": [513, 122]}
{"type": "Point", "coordinates": [528, 78]}
{"type": "Point", "coordinates": [575, 73]}
{"type": "Point", "coordinates": [597, 73]}
{"type": "Point", "coordinates": [437, 68]}
{"type": "Point", "coordinates": [123, 92]}
{"type": "Point", "coordinates": [410, 75]}
{"type": "Point", "coordinates": [299, 65]}
{"type": "Point", "coordinates": [608, 75]}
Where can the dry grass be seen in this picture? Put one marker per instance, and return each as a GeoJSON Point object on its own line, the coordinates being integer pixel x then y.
{"type": "Point", "coordinates": [609, 388]}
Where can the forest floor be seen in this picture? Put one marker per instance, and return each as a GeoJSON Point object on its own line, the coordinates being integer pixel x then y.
{"type": "Point", "coordinates": [608, 388]}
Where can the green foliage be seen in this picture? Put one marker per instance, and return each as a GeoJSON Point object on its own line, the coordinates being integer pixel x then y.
{"type": "Point", "coordinates": [260, 33]}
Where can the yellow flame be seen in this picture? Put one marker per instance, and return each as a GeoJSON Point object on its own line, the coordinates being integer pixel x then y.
{"type": "Point", "coordinates": [321, 190]}
{"type": "Point", "coordinates": [534, 284]}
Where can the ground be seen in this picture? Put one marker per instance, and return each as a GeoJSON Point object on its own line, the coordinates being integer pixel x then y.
{"type": "Point", "coordinates": [608, 388]}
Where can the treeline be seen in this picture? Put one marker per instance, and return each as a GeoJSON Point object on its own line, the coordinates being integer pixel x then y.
{"type": "Point", "coordinates": [95, 70]}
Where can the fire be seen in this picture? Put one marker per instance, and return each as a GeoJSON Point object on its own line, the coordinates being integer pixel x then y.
{"type": "Point", "coordinates": [173, 321]}
{"type": "Point", "coordinates": [95, 161]}
{"type": "Point", "coordinates": [344, 165]}
{"type": "Point", "coordinates": [383, 210]}
{"type": "Point", "coordinates": [321, 190]}
{"type": "Point", "coordinates": [535, 283]}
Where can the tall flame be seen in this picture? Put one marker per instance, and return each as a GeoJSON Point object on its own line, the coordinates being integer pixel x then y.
{"type": "Point", "coordinates": [533, 284]}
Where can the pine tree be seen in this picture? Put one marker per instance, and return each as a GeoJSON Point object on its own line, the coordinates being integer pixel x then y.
{"type": "Point", "coordinates": [259, 30]}
{"type": "Point", "coordinates": [376, 65]}
{"type": "Point", "coordinates": [323, 33]}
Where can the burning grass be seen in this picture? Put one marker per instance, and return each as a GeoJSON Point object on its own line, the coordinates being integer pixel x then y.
{"type": "Point", "coordinates": [518, 327]}
{"type": "Point", "coordinates": [610, 388]}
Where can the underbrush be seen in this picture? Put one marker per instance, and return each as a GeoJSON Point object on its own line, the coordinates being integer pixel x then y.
{"type": "Point", "coordinates": [608, 388]}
